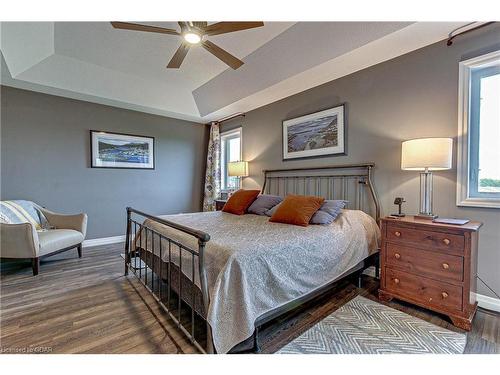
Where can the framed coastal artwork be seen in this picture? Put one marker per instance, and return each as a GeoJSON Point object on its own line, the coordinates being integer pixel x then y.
{"type": "Point", "coordinates": [317, 134]}
{"type": "Point", "coordinates": [117, 150]}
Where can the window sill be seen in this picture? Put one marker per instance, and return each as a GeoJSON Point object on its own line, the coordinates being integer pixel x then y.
{"type": "Point", "coordinates": [480, 203]}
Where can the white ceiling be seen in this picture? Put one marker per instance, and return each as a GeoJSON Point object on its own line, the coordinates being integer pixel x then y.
{"type": "Point", "coordinates": [94, 62]}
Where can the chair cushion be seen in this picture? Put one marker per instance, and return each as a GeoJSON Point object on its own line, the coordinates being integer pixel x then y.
{"type": "Point", "coordinates": [58, 239]}
{"type": "Point", "coordinates": [20, 211]}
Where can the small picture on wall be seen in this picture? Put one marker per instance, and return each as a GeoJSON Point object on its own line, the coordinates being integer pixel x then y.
{"type": "Point", "coordinates": [116, 150]}
{"type": "Point", "coordinates": [317, 134]}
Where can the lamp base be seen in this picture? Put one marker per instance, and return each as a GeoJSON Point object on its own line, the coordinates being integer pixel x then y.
{"type": "Point", "coordinates": [425, 216]}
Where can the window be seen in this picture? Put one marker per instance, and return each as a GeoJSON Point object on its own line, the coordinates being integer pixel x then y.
{"type": "Point", "coordinates": [230, 151]}
{"type": "Point", "coordinates": [478, 177]}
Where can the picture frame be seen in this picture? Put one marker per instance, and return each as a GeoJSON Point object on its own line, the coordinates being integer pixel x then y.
{"type": "Point", "coordinates": [317, 134]}
{"type": "Point", "coordinates": [121, 150]}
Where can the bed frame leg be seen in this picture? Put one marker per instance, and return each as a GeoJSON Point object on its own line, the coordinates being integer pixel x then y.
{"type": "Point", "coordinates": [127, 241]}
{"type": "Point", "coordinates": [360, 280]}
{"type": "Point", "coordinates": [376, 263]}
{"type": "Point", "coordinates": [256, 345]}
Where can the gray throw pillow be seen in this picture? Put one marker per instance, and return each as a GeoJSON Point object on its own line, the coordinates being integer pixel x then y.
{"type": "Point", "coordinates": [328, 212]}
{"type": "Point", "coordinates": [263, 203]}
{"type": "Point", "coordinates": [271, 211]}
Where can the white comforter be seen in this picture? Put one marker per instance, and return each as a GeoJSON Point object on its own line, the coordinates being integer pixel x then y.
{"type": "Point", "coordinates": [254, 266]}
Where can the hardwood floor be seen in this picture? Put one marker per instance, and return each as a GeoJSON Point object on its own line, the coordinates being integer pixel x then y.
{"type": "Point", "coordinates": [87, 306]}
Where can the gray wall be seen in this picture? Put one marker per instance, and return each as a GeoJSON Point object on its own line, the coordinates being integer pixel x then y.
{"type": "Point", "coordinates": [46, 158]}
{"type": "Point", "coordinates": [415, 95]}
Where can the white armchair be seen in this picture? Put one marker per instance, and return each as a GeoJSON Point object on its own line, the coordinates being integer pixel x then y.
{"type": "Point", "coordinates": [23, 241]}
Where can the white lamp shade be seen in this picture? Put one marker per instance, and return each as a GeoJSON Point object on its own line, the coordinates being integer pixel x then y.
{"type": "Point", "coordinates": [432, 153]}
{"type": "Point", "coordinates": [237, 169]}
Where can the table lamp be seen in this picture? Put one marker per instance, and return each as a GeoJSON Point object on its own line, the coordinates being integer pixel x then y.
{"type": "Point", "coordinates": [237, 169]}
{"type": "Point", "coordinates": [426, 155]}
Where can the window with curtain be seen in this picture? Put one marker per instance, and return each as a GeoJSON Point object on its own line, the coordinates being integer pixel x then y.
{"type": "Point", "coordinates": [230, 151]}
{"type": "Point", "coordinates": [479, 132]}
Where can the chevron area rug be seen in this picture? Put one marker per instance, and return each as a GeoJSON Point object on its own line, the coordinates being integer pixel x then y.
{"type": "Point", "coordinates": [362, 326]}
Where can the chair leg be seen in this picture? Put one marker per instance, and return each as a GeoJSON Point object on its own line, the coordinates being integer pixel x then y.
{"type": "Point", "coordinates": [79, 248]}
{"type": "Point", "coordinates": [35, 264]}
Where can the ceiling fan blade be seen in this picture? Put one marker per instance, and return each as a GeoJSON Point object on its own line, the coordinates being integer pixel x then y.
{"type": "Point", "coordinates": [179, 55]}
{"type": "Point", "coordinates": [229, 27]}
{"type": "Point", "coordinates": [200, 24]}
{"type": "Point", "coordinates": [183, 25]}
{"type": "Point", "coordinates": [225, 56]}
{"type": "Point", "coordinates": [147, 28]}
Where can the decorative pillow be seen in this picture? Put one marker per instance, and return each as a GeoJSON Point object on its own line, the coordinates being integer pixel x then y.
{"type": "Point", "coordinates": [297, 210]}
{"type": "Point", "coordinates": [44, 222]}
{"type": "Point", "coordinates": [271, 211]}
{"type": "Point", "coordinates": [20, 211]}
{"type": "Point", "coordinates": [239, 202]}
{"type": "Point", "coordinates": [328, 212]}
{"type": "Point", "coordinates": [264, 203]}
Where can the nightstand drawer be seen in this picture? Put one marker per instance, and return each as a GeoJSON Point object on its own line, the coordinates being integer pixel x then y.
{"type": "Point", "coordinates": [437, 266]}
{"type": "Point", "coordinates": [426, 239]}
{"type": "Point", "coordinates": [423, 290]}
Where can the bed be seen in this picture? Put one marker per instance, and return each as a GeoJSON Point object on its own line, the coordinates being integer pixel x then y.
{"type": "Point", "coordinates": [238, 272]}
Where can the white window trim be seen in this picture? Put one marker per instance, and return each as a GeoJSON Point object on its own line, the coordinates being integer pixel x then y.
{"type": "Point", "coordinates": [226, 134]}
{"type": "Point", "coordinates": [465, 68]}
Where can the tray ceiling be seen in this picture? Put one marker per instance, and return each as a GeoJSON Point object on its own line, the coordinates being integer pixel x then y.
{"type": "Point", "coordinates": [94, 62]}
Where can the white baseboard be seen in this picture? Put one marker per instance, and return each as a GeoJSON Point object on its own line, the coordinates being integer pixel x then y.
{"type": "Point", "coordinates": [103, 241]}
{"type": "Point", "coordinates": [488, 303]}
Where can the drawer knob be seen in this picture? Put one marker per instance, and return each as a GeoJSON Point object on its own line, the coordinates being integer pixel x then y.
{"type": "Point", "coordinates": [397, 234]}
{"type": "Point", "coordinates": [397, 256]}
{"type": "Point", "coordinates": [446, 266]}
{"type": "Point", "coordinates": [446, 241]}
{"type": "Point", "coordinates": [444, 295]}
{"type": "Point", "coordinates": [396, 281]}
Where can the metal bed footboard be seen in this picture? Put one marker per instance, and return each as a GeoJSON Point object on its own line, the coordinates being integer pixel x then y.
{"type": "Point", "coordinates": [140, 259]}
{"type": "Point", "coordinates": [352, 183]}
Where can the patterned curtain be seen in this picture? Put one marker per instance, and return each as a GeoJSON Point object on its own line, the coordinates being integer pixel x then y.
{"type": "Point", "coordinates": [212, 175]}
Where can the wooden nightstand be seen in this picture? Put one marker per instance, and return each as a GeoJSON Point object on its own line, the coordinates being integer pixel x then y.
{"type": "Point", "coordinates": [431, 265]}
{"type": "Point", "coordinates": [219, 203]}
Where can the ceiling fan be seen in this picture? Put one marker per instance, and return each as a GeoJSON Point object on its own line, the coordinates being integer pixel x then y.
{"type": "Point", "coordinates": [194, 33]}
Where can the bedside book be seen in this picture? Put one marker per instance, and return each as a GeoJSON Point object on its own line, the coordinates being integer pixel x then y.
{"type": "Point", "coordinates": [444, 220]}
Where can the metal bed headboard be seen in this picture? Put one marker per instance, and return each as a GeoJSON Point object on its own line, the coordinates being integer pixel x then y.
{"type": "Point", "coordinates": [347, 182]}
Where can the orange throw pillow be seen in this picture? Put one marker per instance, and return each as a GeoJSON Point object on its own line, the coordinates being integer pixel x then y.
{"type": "Point", "coordinates": [297, 210]}
{"type": "Point", "coordinates": [239, 202]}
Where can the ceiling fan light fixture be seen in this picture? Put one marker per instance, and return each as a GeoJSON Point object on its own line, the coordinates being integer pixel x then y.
{"type": "Point", "coordinates": [195, 33]}
{"type": "Point", "coordinates": [192, 38]}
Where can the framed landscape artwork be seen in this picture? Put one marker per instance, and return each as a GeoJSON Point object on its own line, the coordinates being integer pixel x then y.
{"type": "Point", "coordinates": [115, 150]}
{"type": "Point", "coordinates": [318, 134]}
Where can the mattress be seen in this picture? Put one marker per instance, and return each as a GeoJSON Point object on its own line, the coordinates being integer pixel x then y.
{"type": "Point", "coordinates": [254, 266]}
